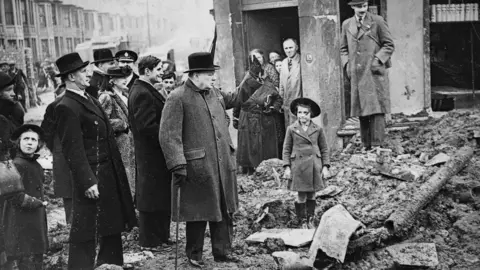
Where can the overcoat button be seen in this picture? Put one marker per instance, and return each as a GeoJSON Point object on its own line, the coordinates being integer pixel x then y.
{"type": "Point", "coordinates": [96, 123]}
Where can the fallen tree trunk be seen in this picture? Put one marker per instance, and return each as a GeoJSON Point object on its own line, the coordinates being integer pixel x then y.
{"type": "Point", "coordinates": [403, 218]}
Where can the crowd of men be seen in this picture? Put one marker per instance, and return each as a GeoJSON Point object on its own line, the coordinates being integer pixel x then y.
{"type": "Point", "coordinates": [184, 165]}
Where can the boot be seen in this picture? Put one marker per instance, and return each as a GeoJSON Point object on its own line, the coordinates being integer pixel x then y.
{"type": "Point", "coordinates": [300, 210]}
{"type": "Point", "coordinates": [311, 213]}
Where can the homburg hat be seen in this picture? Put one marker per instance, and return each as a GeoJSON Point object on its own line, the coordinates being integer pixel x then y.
{"type": "Point", "coordinates": [308, 102]}
{"type": "Point", "coordinates": [70, 63]}
{"type": "Point", "coordinates": [201, 61]}
{"type": "Point", "coordinates": [102, 55]}
{"type": "Point", "coordinates": [5, 80]}
{"type": "Point", "coordinates": [23, 128]}
{"type": "Point", "coordinates": [357, 2]}
{"type": "Point", "coordinates": [119, 72]}
{"type": "Point", "coordinates": [126, 56]}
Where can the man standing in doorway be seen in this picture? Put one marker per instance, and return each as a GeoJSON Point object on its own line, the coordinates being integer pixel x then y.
{"type": "Point", "coordinates": [128, 58]}
{"type": "Point", "coordinates": [200, 154]}
{"type": "Point", "coordinates": [366, 48]}
{"type": "Point", "coordinates": [290, 78]}
{"type": "Point", "coordinates": [102, 201]}
{"type": "Point", "coordinates": [103, 60]}
{"type": "Point", "coordinates": [153, 187]}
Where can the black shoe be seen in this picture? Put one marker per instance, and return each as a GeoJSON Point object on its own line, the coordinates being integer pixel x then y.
{"type": "Point", "coordinates": [226, 258]}
{"type": "Point", "coordinates": [195, 263]}
{"type": "Point", "coordinates": [169, 243]}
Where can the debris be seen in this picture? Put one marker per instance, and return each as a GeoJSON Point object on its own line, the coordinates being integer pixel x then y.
{"type": "Point", "coordinates": [414, 254]}
{"type": "Point", "coordinates": [277, 177]}
{"type": "Point", "coordinates": [374, 236]}
{"type": "Point", "coordinates": [291, 237]}
{"type": "Point", "coordinates": [403, 217]}
{"type": "Point", "coordinates": [333, 234]}
{"type": "Point", "coordinates": [437, 160]}
{"type": "Point", "coordinates": [384, 156]}
{"type": "Point", "coordinates": [288, 260]}
{"type": "Point", "coordinates": [397, 173]}
{"type": "Point", "coordinates": [263, 214]}
{"type": "Point", "coordinates": [404, 156]}
{"type": "Point", "coordinates": [423, 157]}
{"type": "Point", "coordinates": [274, 244]}
{"type": "Point", "coordinates": [263, 172]}
{"type": "Point", "coordinates": [330, 191]}
{"type": "Point", "coordinates": [469, 224]}
{"type": "Point", "coordinates": [109, 267]}
{"type": "Point", "coordinates": [357, 161]}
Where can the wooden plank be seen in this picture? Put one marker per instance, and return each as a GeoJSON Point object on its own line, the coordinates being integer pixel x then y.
{"type": "Point", "coordinates": [269, 5]}
{"type": "Point", "coordinates": [427, 84]}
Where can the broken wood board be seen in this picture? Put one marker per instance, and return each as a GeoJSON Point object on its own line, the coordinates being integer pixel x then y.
{"type": "Point", "coordinates": [437, 160]}
{"type": "Point", "coordinates": [333, 234]}
{"type": "Point", "coordinates": [291, 237]}
{"type": "Point", "coordinates": [330, 191]}
{"type": "Point", "coordinates": [397, 173]}
{"type": "Point", "coordinates": [414, 254]}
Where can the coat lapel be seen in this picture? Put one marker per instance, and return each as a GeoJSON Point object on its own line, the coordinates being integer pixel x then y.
{"type": "Point", "coordinates": [87, 104]}
{"type": "Point", "coordinates": [299, 131]}
{"type": "Point", "coordinates": [152, 89]}
{"type": "Point", "coordinates": [366, 26]}
{"type": "Point", "coordinates": [312, 129]}
{"type": "Point", "coordinates": [353, 28]}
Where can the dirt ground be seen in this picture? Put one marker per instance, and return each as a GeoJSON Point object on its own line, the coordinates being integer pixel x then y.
{"type": "Point", "coordinates": [371, 198]}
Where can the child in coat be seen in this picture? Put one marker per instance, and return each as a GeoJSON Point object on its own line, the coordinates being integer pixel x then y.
{"type": "Point", "coordinates": [25, 218]}
{"type": "Point", "coordinates": [306, 158]}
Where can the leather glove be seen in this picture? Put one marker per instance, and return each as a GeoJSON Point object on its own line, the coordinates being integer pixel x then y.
{"type": "Point", "coordinates": [377, 67]}
{"type": "Point", "coordinates": [235, 123]}
{"type": "Point", "coordinates": [179, 177]}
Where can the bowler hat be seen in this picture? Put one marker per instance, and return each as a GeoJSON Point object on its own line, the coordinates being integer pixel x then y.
{"type": "Point", "coordinates": [5, 80]}
{"type": "Point", "coordinates": [102, 55]}
{"type": "Point", "coordinates": [308, 102]}
{"type": "Point", "coordinates": [201, 61]}
{"type": "Point", "coordinates": [18, 132]}
{"type": "Point", "coordinates": [69, 63]}
{"type": "Point", "coordinates": [11, 62]}
{"type": "Point", "coordinates": [3, 62]}
{"type": "Point", "coordinates": [357, 2]}
{"type": "Point", "coordinates": [119, 72]}
{"type": "Point", "coordinates": [126, 56]}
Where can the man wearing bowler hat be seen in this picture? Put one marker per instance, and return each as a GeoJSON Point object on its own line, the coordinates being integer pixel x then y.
{"type": "Point", "coordinates": [103, 60]}
{"type": "Point", "coordinates": [200, 154]}
{"type": "Point", "coordinates": [102, 201]}
{"type": "Point", "coordinates": [128, 58]}
{"type": "Point", "coordinates": [366, 48]}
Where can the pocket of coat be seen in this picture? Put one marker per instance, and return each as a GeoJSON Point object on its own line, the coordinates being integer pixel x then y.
{"type": "Point", "coordinates": [196, 167]}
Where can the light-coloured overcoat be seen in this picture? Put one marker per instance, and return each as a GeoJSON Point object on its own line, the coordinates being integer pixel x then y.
{"type": "Point", "coordinates": [306, 152]}
{"type": "Point", "coordinates": [194, 133]}
{"type": "Point", "coordinates": [359, 46]}
{"type": "Point", "coordinates": [290, 86]}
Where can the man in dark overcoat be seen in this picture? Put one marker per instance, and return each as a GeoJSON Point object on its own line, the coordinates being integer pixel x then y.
{"type": "Point", "coordinates": [62, 177]}
{"type": "Point", "coordinates": [199, 152]}
{"type": "Point", "coordinates": [102, 201]}
{"type": "Point", "coordinates": [21, 82]}
{"type": "Point", "coordinates": [366, 48]}
{"type": "Point", "coordinates": [103, 60]}
{"type": "Point", "coordinates": [152, 193]}
{"type": "Point", "coordinates": [128, 58]}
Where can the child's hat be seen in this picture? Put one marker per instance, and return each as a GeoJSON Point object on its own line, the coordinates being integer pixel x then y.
{"type": "Point", "coordinates": [19, 131]}
{"type": "Point", "coordinates": [308, 102]}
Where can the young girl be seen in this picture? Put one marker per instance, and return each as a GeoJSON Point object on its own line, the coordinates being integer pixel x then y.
{"type": "Point", "coordinates": [306, 158]}
{"type": "Point", "coordinates": [25, 220]}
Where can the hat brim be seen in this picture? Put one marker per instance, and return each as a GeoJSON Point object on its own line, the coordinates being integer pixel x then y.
{"type": "Point", "coordinates": [125, 60]}
{"type": "Point", "coordinates": [357, 3]}
{"type": "Point", "coordinates": [103, 60]}
{"type": "Point", "coordinates": [305, 101]}
{"type": "Point", "coordinates": [73, 70]}
{"type": "Point", "coordinates": [11, 82]}
{"type": "Point", "coordinates": [215, 67]}
{"type": "Point", "coordinates": [19, 131]}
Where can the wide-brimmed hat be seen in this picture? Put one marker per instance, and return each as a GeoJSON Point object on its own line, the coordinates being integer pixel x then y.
{"type": "Point", "coordinates": [357, 2]}
{"type": "Point", "coordinates": [5, 80]}
{"type": "Point", "coordinates": [19, 131]}
{"type": "Point", "coordinates": [308, 102]}
{"type": "Point", "coordinates": [119, 72]}
{"type": "Point", "coordinates": [102, 55]}
{"type": "Point", "coordinates": [69, 63]}
{"type": "Point", "coordinates": [3, 62]}
{"type": "Point", "coordinates": [201, 61]}
{"type": "Point", "coordinates": [126, 56]}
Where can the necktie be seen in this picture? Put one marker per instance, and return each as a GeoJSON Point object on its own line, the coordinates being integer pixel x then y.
{"type": "Point", "coordinates": [360, 22]}
{"type": "Point", "coordinates": [289, 64]}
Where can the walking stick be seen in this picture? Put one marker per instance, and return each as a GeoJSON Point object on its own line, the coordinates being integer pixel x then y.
{"type": "Point", "coordinates": [176, 233]}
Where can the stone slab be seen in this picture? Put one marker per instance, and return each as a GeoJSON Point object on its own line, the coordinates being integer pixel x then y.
{"type": "Point", "coordinates": [414, 254]}
{"type": "Point", "coordinates": [291, 237]}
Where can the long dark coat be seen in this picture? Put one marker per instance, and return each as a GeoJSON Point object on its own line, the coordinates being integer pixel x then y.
{"type": "Point", "coordinates": [132, 81]}
{"type": "Point", "coordinates": [25, 218]}
{"type": "Point", "coordinates": [21, 81]}
{"type": "Point", "coordinates": [370, 92]}
{"type": "Point", "coordinates": [62, 176]}
{"type": "Point", "coordinates": [89, 146]}
{"type": "Point", "coordinates": [257, 129]}
{"type": "Point", "coordinates": [306, 153]}
{"type": "Point", "coordinates": [145, 106]}
{"type": "Point", "coordinates": [194, 133]}
{"type": "Point", "coordinates": [13, 111]}
{"type": "Point", "coordinates": [117, 112]}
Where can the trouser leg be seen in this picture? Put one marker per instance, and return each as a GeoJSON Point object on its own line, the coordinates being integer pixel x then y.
{"type": "Point", "coordinates": [81, 256]}
{"type": "Point", "coordinates": [365, 131]}
{"type": "Point", "coordinates": [195, 233]}
{"type": "Point", "coordinates": [111, 250]}
{"type": "Point", "coordinates": [377, 129]}
{"type": "Point", "coordinates": [154, 228]}
{"type": "Point", "coordinates": [221, 236]}
{"type": "Point", "coordinates": [68, 204]}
